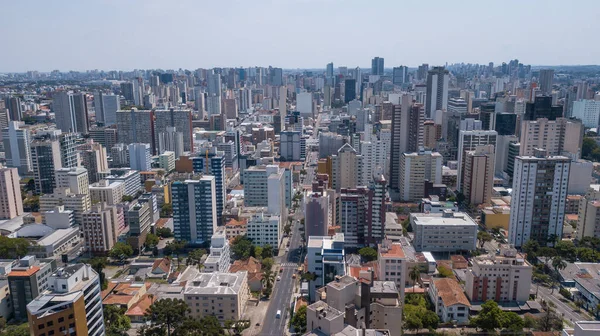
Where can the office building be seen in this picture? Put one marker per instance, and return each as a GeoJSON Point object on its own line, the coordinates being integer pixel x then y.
{"type": "Point", "coordinates": [139, 219]}
{"type": "Point", "coordinates": [26, 281]}
{"type": "Point", "coordinates": [513, 151]}
{"type": "Point", "coordinates": [468, 141]}
{"type": "Point", "coordinates": [502, 150]}
{"type": "Point", "coordinates": [72, 304]}
{"type": "Point", "coordinates": [106, 107]}
{"type": "Point", "coordinates": [106, 136]}
{"type": "Point", "coordinates": [71, 112]}
{"type": "Point", "coordinates": [501, 278]}
{"type": "Point", "coordinates": [400, 75]}
{"type": "Point", "coordinates": [68, 147]}
{"type": "Point", "coordinates": [265, 229]}
{"type": "Point", "coordinates": [346, 168]}
{"type": "Point", "coordinates": [448, 231]}
{"type": "Point", "coordinates": [94, 159]}
{"type": "Point", "coordinates": [542, 107]}
{"type": "Point", "coordinates": [304, 103]}
{"type": "Point", "coordinates": [545, 80]}
{"type": "Point", "coordinates": [219, 258]}
{"type": "Point", "coordinates": [17, 148]}
{"type": "Point", "coordinates": [437, 90]}
{"type": "Point", "coordinates": [100, 228]}
{"type": "Point", "coordinates": [140, 157]}
{"type": "Point", "coordinates": [478, 174]}
{"type": "Point", "coordinates": [289, 146]}
{"type": "Point", "coordinates": [326, 259]}
{"type": "Point", "coordinates": [171, 140]}
{"type": "Point", "coordinates": [78, 203]}
{"type": "Point", "coordinates": [215, 166]}
{"type": "Point", "coordinates": [213, 105]}
{"type": "Point", "coordinates": [588, 111]}
{"type": "Point", "coordinates": [588, 220]}
{"type": "Point", "coordinates": [11, 203]}
{"type": "Point", "coordinates": [194, 209]}
{"type": "Point", "coordinates": [558, 137]}
{"type": "Point", "coordinates": [457, 106]}
{"type": "Point", "coordinates": [76, 179]}
{"type": "Point", "coordinates": [109, 193]}
{"type": "Point", "coordinates": [392, 263]}
{"type": "Point", "coordinates": [13, 104]}
{"type": "Point", "coordinates": [538, 199]}
{"type": "Point", "coordinates": [329, 70]}
{"type": "Point", "coordinates": [415, 168]}
{"type": "Point", "coordinates": [349, 90]}
{"type": "Point", "coordinates": [377, 66]}
{"type": "Point", "coordinates": [45, 155]}
{"type": "Point", "coordinates": [229, 290]}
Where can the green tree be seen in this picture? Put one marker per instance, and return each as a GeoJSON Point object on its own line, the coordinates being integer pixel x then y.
{"type": "Point", "coordinates": [531, 248]}
{"type": "Point", "coordinates": [414, 275]}
{"type": "Point", "coordinates": [115, 321]}
{"type": "Point", "coordinates": [267, 263]}
{"type": "Point", "coordinates": [240, 326]}
{"type": "Point", "coordinates": [587, 148]}
{"type": "Point", "coordinates": [30, 186]}
{"type": "Point", "coordinates": [208, 325]}
{"type": "Point", "coordinates": [151, 240]}
{"type": "Point", "coordinates": [167, 313]}
{"type": "Point", "coordinates": [121, 251]}
{"type": "Point", "coordinates": [175, 247]}
{"type": "Point", "coordinates": [483, 237]}
{"type": "Point", "coordinates": [529, 321]}
{"type": "Point", "coordinates": [490, 318]}
{"type": "Point", "coordinates": [299, 320]}
{"type": "Point", "coordinates": [413, 322]}
{"type": "Point", "coordinates": [241, 248]}
{"type": "Point", "coordinates": [164, 232]}
{"type": "Point", "coordinates": [267, 251]}
{"type": "Point", "coordinates": [549, 320]}
{"type": "Point", "coordinates": [195, 256]}
{"type": "Point", "coordinates": [32, 204]}
{"type": "Point", "coordinates": [445, 272]}
{"type": "Point", "coordinates": [287, 229]}
{"type": "Point", "coordinates": [13, 248]}
{"type": "Point", "coordinates": [166, 210]}
{"type": "Point", "coordinates": [267, 280]}
{"type": "Point", "coordinates": [99, 264]}
{"type": "Point", "coordinates": [512, 321]}
{"type": "Point", "coordinates": [16, 330]}
{"type": "Point", "coordinates": [368, 253]}
{"type": "Point", "coordinates": [126, 198]}
{"type": "Point", "coordinates": [567, 250]}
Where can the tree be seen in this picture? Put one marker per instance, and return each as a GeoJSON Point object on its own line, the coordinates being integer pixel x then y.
{"type": "Point", "coordinates": [167, 313]}
{"type": "Point", "coordinates": [164, 232]}
{"type": "Point", "coordinates": [512, 321]}
{"type": "Point", "coordinates": [32, 204]}
{"type": "Point", "coordinates": [299, 320]}
{"type": "Point", "coordinates": [483, 237]}
{"type": "Point", "coordinates": [368, 253]}
{"type": "Point", "coordinates": [241, 248]}
{"type": "Point", "coordinates": [30, 186]}
{"type": "Point", "coordinates": [240, 326]}
{"type": "Point", "coordinates": [531, 248]}
{"type": "Point", "coordinates": [414, 275]}
{"type": "Point", "coordinates": [115, 321]}
{"type": "Point", "coordinates": [177, 247]}
{"type": "Point", "coordinates": [287, 229]}
{"type": "Point", "coordinates": [529, 321]}
{"type": "Point", "coordinates": [16, 330]}
{"type": "Point", "coordinates": [126, 198]}
{"type": "Point", "coordinates": [412, 322]}
{"type": "Point", "coordinates": [267, 251]}
{"type": "Point", "coordinates": [195, 256]}
{"type": "Point", "coordinates": [121, 251]}
{"type": "Point", "coordinates": [268, 263]}
{"type": "Point", "coordinates": [151, 240]}
{"type": "Point", "coordinates": [558, 264]}
{"type": "Point", "coordinates": [166, 210]}
{"type": "Point", "coordinates": [587, 148]}
{"type": "Point", "coordinates": [99, 264]}
{"type": "Point", "coordinates": [13, 248]}
{"type": "Point", "coordinates": [490, 318]}
{"type": "Point", "coordinates": [146, 330]}
{"type": "Point", "coordinates": [445, 272]}
{"type": "Point", "coordinates": [549, 320]}
{"type": "Point", "coordinates": [208, 325]}
{"type": "Point", "coordinates": [267, 280]}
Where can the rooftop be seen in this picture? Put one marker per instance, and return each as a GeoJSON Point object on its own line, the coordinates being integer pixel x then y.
{"type": "Point", "coordinates": [450, 292]}
{"type": "Point", "coordinates": [446, 218]}
{"type": "Point", "coordinates": [325, 311]}
{"type": "Point", "coordinates": [393, 250]}
{"type": "Point", "coordinates": [388, 287]}
{"type": "Point", "coordinates": [216, 283]}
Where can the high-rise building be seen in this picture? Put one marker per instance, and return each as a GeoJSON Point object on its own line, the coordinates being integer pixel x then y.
{"type": "Point", "coordinates": [325, 258]}
{"type": "Point", "coordinates": [558, 137]}
{"type": "Point", "coordinates": [545, 80]}
{"type": "Point", "coordinates": [76, 179]}
{"type": "Point", "coordinates": [71, 112]}
{"type": "Point", "coordinates": [318, 209]}
{"type": "Point", "coordinates": [468, 141]}
{"type": "Point", "coordinates": [265, 229]}
{"type": "Point", "coordinates": [139, 218]}
{"type": "Point", "coordinates": [538, 199]}
{"type": "Point", "coordinates": [290, 146]}
{"type": "Point", "coordinates": [11, 204]}
{"type": "Point", "coordinates": [346, 168]}
{"type": "Point", "coordinates": [377, 66]}
{"type": "Point", "coordinates": [542, 108]}
{"type": "Point", "coordinates": [172, 141]}
{"type": "Point", "coordinates": [400, 75]}
{"type": "Point", "coordinates": [275, 76]}
{"type": "Point", "coordinates": [304, 103]}
{"type": "Point", "coordinates": [194, 209]}
{"type": "Point", "coordinates": [215, 166]}
{"type": "Point", "coordinates": [140, 157]}
{"type": "Point", "coordinates": [100, 228]}
{"type": "Point", "coordinates": [415, 168]}
{"type": "Point", "coordinates": [109, 193]}
{"type": "Point", "coordinates": [181, 119]}
{"type": "Point", "coordinates": [588, 111]}
{"type": "Point", "coordinates": [437, 90]}
{"type": "Point", "coordinates": [72, 304]}
{"type": "Point", "coordinates": [478, 174]}
{"type": "Point", "coordinates": [26, 282]}
{"type": "Point", "coordinates": [13, 104]}
{"type": "Point", "coordinates": [502, 149]}
{"type": "Point", "coordinates": [265, 186]}
{"type": "Point", "coordinates": [45, 155]}
{"type": "Point", "coordinates": [94, 159]}
{"type": "Point", "coordinates": [588, 220]}
{"type": "Point", "coordinates": [106, 106]}
{"type": "Point", "coordinates": [105, 136]}
{"type": "Point", "coordinates": [329, 70]}
{"type": "Point", "coordinates": [135, 126]}
{"type": "Point", "coordinates": [349, 90]}
{"type": "Point", "coordinates": [457, 106]}
{"type": "Point", "coordinates": [17, 148]}
{"type": "Point", "coordinates": [219, 258]}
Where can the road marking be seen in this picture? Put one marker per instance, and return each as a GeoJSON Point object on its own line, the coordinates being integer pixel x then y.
{"type": "Point", "coordinates": [289, 264]}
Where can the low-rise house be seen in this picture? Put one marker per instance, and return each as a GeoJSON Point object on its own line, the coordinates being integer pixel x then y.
{"type": "Point", "coordinates": [254, 269]}
{"type": "Point", "coordinates": [161, 268]}
{"type": "Point", "coordinates": [451, 304]}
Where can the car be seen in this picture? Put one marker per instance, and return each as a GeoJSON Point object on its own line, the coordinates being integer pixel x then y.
{"type": "Point", "coordinates": [278, 278]}
{"type": "Point", "coordinates": [294, 276]}
{"type": "Point", "coordinates": [278, 314]}
{"type": "Point", "coordinates": [281, 270]}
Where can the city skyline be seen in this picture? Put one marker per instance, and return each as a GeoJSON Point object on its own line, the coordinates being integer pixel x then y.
{"type": "Point", "coordinates": [293, 34]}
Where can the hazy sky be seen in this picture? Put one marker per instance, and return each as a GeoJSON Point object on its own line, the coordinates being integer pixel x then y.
{"type": "Point", "coordinates": [170, 34]}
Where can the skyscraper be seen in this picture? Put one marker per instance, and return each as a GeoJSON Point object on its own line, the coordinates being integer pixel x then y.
{"type": "Point", "coordinates": [181, 119]}
{"type": "Point", "coordinates": [70, 110]}
{"type": "Point", "coordinates": [11, 203]}
{"type": "Point", "coordinates": [194, 209]}
{"type": "Point", "coordinates": [400, 75]}
{"type": "Point", "coordinates": [349, 90]}
{"type": "Point", "coordinates": [140, 156]}
{"type": "Point", "coordinates": [437, 90]}
{"type": "Point", "coordinates": [45, 155]}
{"type": "Point", "coordinates": [171, 140]}
{"type": "Point", "coordinates": [539, 196]}
{"type": "Point", "coordinates": [329, 70]}
{"type": "Point", "coordinates": [135, 126]}
{"type": "Point", "coordinates": [478, 174]}
{"type": "Point", "coordinates": [542, 108]}
{"type": "Point", "coordinates": [415, 168]}
{"type": "Point", "coordinates": [106, 106]}
{"type": "Point", "coordinates": [468, 141]}
{"type": "Point", "coordinates": [558, 137]}
{"type": "Point", "coordinates": [76, 179]}
{"type": "Point", "coordinates": [545, 80]}
{"type": "Point", "coordinates": [13, 104]}
{"type": "Point", "coordinates": [16, 147]}
{"type": "Point", "coordinates": [215, 166]}
{"type": "Point", "coordinates": [346, 168]}
{"type": "Point", "coordinates": [94, 159]}
{"type": "Point", "coordinates": [377, 66]}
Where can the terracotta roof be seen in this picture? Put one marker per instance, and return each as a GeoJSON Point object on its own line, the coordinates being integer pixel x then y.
{"type": "Point", "coordinates": [252, 265]}
{"type": "Point", "coordinates": [234, 222]}
{"type": "Point", "coordinates": [164, 264]}
{"type": "Point", "coordinates": [28, 272]}
{"type": "Point", "coordinates": [395, 251]}
{"type": "Point", "coordinates": [450, 292]}
{"type": "Point", "coordinates": [572, 217]}
{"type": "Point", "coordinates": [121, 293]}
{"type": "Point", "coordinates": [300, 302]}
{"type": "Point", "coordinates": [161, 222]}
{"type": "Point", "coordinates": [140, 307]}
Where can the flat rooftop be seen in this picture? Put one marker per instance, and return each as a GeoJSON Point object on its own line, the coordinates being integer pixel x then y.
{"type": "Point", "coordinates": [451, 219]}
{"type": "Point", "coordinates": [216, 283]}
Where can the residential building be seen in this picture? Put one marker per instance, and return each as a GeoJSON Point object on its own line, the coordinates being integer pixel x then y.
{"type": "Point", "coordinates": [588, 111]}
{"type": "Point", "coordinates": [135, 126]}
{"type": "Point", "coordinates": [588, 220]}
{"type": "Point", "coordinates": [171, 140]}
{"type": "Point", "coordinates": [140, 157]}
{"type": "Point", "coordinates": [325, 258]}
{"type": "Point", "coordinates": [78, 203]}
{"type": "Point", "coordinates": [353, 211]}
{"type": "Point", "coordinates": [457, 106]}
{"type": "Point", "coordinates": [94, 159]}
{"type": "Point", "coordinates": [254, 269]}
{"type": "Point", "coordinates": [212, 162]}
{"type": "Point", "coordinates": [446, 232]}
{"type": "Point", "coordinates": [11, 203]}
{"type": "Point", "coordinates": [468, 141]}
{"type": "Point", "coordinates": [13, 104]}
{"type": "Point", "coordinates": [392, 264]}
{"type": "Point", "coordinates": [71, 305]}
{"type": "Point", "coordinates": [437, 90]}
{"type": "Point", "coordinates": [346, 168]}
{"type": "Point", "coordinates": [374, 160]}
{"type": "Point", "coordinates": [166, 161]}
{"type": "Point", "coordinates": [180, 119]}
{"type": "Point", "coordinates": [290, 146]}
{"type": "Point", "coordinates": [580, 177]}
{"type": "Point", "coordinates": [45, 155]}
{"type": "Point", "coordinates": [450, 303]}
{"type": "Point", "coordinates": [415, 169]}
{"type": "Point", "coordinates": [219, 258]}
{"type": "Point", "coordinates": [106, 136]}
{"type": "Point", "coordinates": [100, 228]}
{"type": "Point", "coordinates": [558, 137]}
{"type": "Point", "coordinates": [27, 281]}
{"type": "Point", "coordinates": [235, 228]}
{"type": "Point", "coordinates": [130, 178]}
{"type": "Point", "coordinates": [538, 214]}
{"type": "Point", "coordinates": [17, 148]}
{"type": "Point", "coordinates": [264, 229]}
{"type": "Point", "coordinates": [223, 295]}
{"type": "Point", "coordinates": [139, 219]}
{"type": "Point", "coordinates": [324, 318]}
{"type": "Point", "coordinates": [265, 186]}
{"type": "Point", "coordinates": [106, 107]}
{"type": "Point", "coordinates": [545, 80]}
{"type": "Point", "coordinates": [71, 112]}
{"type": "Point", "coordinates": [76, 179]}
{"type": "Point", "coordinates": [194, 209]}
{"type": "Point", "coordinates": [502, 278]}
{"type": "Point", "coordinates": [478, 174]}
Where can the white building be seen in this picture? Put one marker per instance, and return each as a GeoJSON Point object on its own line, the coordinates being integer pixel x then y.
{"type": "Point", "coordinates": [588, 111]}
{"type": "Point", "coordinates": [415, 168]}
{"type": "Point", "coordinates": [290, 146]}
{"type": "Point", "coordinates": [450, 302]}
{"type": "Point", "coordinates": [304, 103]}
{"type": "Point", "coordinates": [538, 213]}
{"type": "Point", "coordinates": [219, 258]}
{"type": "Point", "coordinates": [140, 156]}
{"type": "Point", "coordinates": [16, 146]}
{"type": "Point", "coordinates": [75, 179]}
{"type": "Point", "coordinates": [166, 161]}
{"type": "Point", "coordinates": [346, 168]}
{"type": "Point", "coordinates": [588, 220]}
{"type": "Point", "coordinates": [392, 263]}
{"type": "Point", "coordinates": [374, 159]}
{"type": "Point", "coordinates": [265, 186]}
{"type": "Point", "coordinates": [446, 232]}
{"type": "Point", "coordinates": [223, 295]}
{"type": "Point", "coordinates": [265, 229]}
{"type": "Point", "coordinates": [580, 177]}
{"type": "Point", "coordinates": [110, 193]}
{"type": "Point", "coordinates": [326, 258]}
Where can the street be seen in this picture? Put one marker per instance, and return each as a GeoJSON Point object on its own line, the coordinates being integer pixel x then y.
{"type": "Point", "coordinates": [562, 308]}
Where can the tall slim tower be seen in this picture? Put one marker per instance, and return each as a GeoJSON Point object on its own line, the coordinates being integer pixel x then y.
{"type": "Point", "coordinates": [545, 80]}
{"type": "Point", "coordinates": [195, 209]}
{"type": "Point", "coordinates": [437, 90]}
{"type": "Point", "coordinates": [377, 66]}
{"type": "Point", "coordinates": [16, 146]}
{"type": "Point", "coordinates": [71, 112]}
{"type": "Point", "coordinates": [46, 159]}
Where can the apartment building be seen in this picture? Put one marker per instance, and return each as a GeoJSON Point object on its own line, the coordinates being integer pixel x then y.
{"type": "Point", "coordinates": [415, 168]}
{"type": "Point", "coordinates": [478, 174]}
{"type": "Point", "coordinates": [392, 263]}
{"type": "Point", "coordinates": [76, 179]}
{"type": "Point", "coordinates": [326, 258]}
{"type": "Point", "coordinates": [264, 228]}
{"type": "Point", "coordinates": [444, 232]}
{"type": "Point", "coordinates": [103, 191]}
{"type": "Point", "coordinates": [100, 228]}
{"type": "Point", "coordinates": [223, 295]}
{"type": "Point", "coordinates": [558, 137]}
{"type": "Point", "coordinates": [588, 220]}
{"type": "Point", "coordinates": [11, 203]}
{"type": "Point", "coordinates": [219, 258]}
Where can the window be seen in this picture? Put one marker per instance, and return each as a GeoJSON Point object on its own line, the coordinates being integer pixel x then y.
{"type": "Point", "coordinates": [61, 319]}
{"type": "Point", "coordinates": [41, 326]}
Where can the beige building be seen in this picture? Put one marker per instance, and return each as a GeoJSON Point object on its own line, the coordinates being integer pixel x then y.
{"type": "Point", "coordinates": [558, 137]}
{"type": "Point", "coordinates": [324, 318]}
{"type": "Point", "coordinates": [78, 203]}
{"type": "Point", "coordinates": [415, 168]}
{"type": "Point", "coordinates": [75, 179]}
{"type": "Point", "coordinates": [223, 295]}
{"type": "Point", "coordinates": [346, 168]}
{"type": "Point", "coordinates": [502, 278]}
{"type": "Point", "coordinates": [431, 133]}
{"type": "Point", "coordinates": [103, 191]}
{"type": "Point", "coordinates": [100, 228]}
{"type": "Point", "coordinates": [449, 300]}
{"type": "Point", "coordinates": [588, 221]}
{"type": "Point", "coordinates": [11, 204]}
{"type": "Point", "coordinates": [478, 174]}
{"type": "Point", "coordinates": [392, 263]}
{"type": "Point", "coordinates": [94, 159]}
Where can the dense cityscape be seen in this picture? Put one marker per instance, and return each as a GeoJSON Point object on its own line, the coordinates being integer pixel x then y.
{"type": "Point", "coordinates": [344, 200]}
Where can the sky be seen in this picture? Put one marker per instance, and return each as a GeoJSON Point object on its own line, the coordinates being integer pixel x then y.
{"type": "Point", "coordinates": [171, 34]}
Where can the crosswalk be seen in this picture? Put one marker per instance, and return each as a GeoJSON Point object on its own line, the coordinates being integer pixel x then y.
{"type": "Point", "coordinates": [289, 264]}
